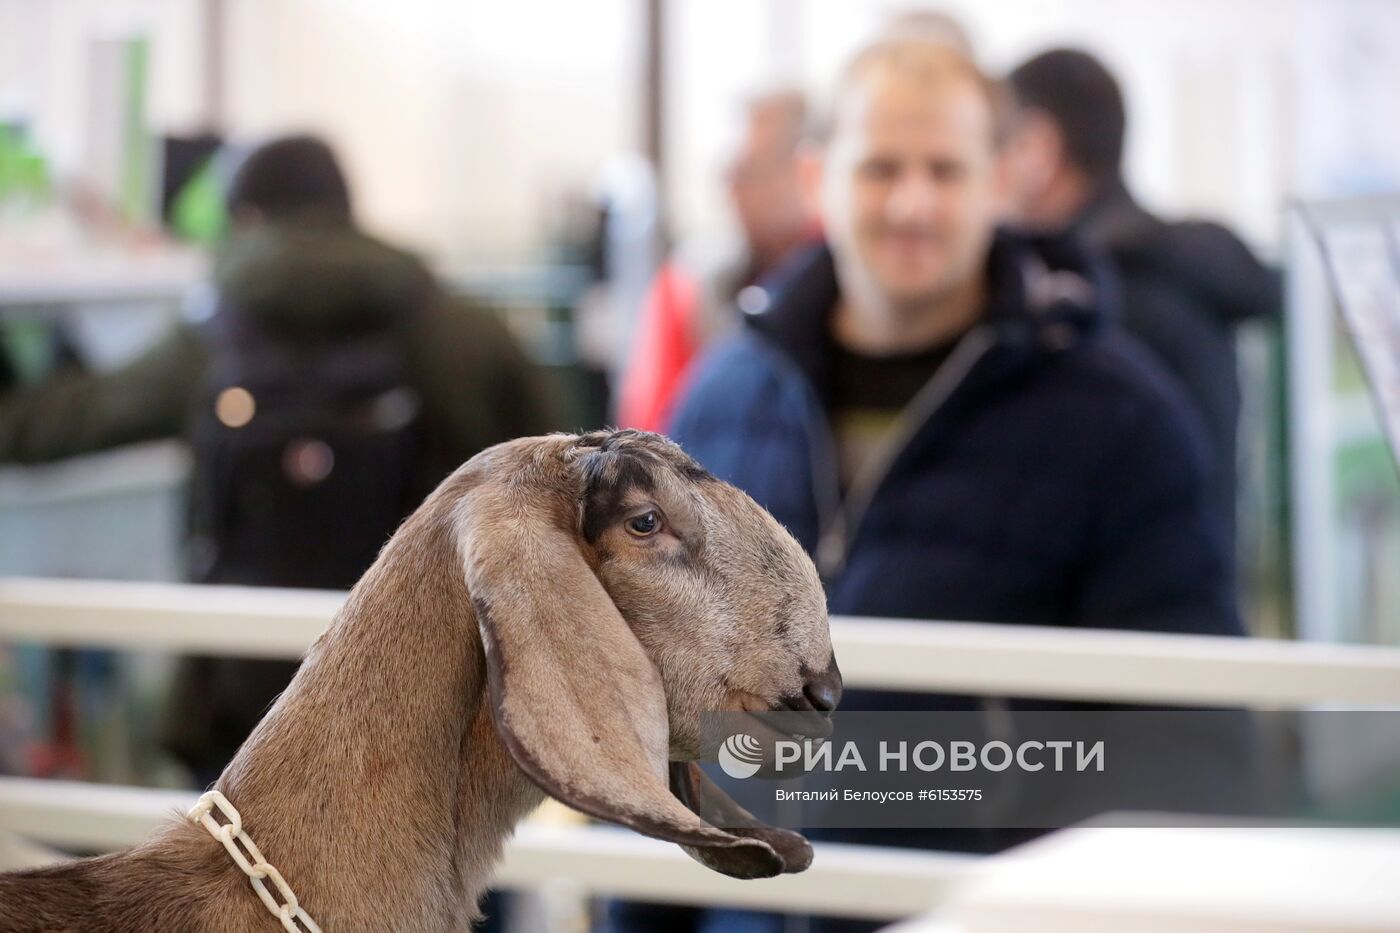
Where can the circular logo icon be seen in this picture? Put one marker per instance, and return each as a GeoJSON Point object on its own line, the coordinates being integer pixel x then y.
{"type": "Point", "coordinates": [741, 755]}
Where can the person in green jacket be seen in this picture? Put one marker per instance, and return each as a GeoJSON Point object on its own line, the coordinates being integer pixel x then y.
{"type": "Point", "coordinates": [294, 262]}
{"type": "Point", "coordinates": [294, 251]}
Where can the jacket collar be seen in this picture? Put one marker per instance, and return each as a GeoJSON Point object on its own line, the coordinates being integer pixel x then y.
{"type": "Point", "coordinates": [1043, 295]}
{"type": "Point", "coordinates": [1202, 261]}
{"type": "Point", "coordinates": [1112, 219]}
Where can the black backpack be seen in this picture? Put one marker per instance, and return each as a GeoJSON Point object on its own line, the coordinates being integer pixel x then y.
{"type": "Point", "coordinates": [307, 455]}
{"type": "Point", "coordinates": [307, 451]}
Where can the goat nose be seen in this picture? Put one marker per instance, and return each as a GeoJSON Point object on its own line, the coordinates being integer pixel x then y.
{"type": "Point", "coordinates": [824, 690]}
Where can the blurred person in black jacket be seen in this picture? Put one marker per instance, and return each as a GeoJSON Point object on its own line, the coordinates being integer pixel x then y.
{"type": "Point", "coordinates": [1182, 287]}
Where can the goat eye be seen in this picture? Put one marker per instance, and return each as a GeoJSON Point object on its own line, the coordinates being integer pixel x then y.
{"type": "Point", "coordinates": [644, 525]}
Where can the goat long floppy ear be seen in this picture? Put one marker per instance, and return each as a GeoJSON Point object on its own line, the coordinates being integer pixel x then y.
{"type": "Point", "coordinates": [574, 697]}
{"type": "Point", "coordinates": [705, 799]}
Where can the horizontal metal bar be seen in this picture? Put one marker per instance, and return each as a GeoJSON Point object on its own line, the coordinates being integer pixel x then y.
{"type": "Point", "coordinates": [102, 280]}
{"type": "Point", "coordinates": [1096, 664]}
{"type": "Point", "coordinates": [222, 620]}
{"type": "Point", "coordinates": [1379, 209]}
{"type": "Point", "coordinates": [149, 467]}
{"type": "Point", "coordinates": [851, 880]}
{"type": "Point", "coordinates": [951, 657]}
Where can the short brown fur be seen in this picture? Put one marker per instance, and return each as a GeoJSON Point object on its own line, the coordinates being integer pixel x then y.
{"type": "Point", "coordinates": [491, 654]}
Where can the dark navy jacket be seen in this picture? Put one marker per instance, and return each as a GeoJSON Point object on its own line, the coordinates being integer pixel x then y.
{"type": "Point", "coordinates": [1184, 288]}
{"type": "Point", "coordinates": [1052, 474]}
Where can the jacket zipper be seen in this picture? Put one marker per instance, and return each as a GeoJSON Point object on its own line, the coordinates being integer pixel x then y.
{"type": "Point", "coordinates": [835, 537]}
{"type": "Point", "coordinates": [821, 451]}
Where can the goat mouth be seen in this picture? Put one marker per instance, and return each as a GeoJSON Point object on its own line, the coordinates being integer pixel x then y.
{"type": "Point", "coordinates": [782, 724]}
{"type": "Point", "coordinates": [780, 719]}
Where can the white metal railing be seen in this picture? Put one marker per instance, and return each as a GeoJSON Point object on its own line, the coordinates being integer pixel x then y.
{"type": "Point", "coordinates": [154, 465]}
{"type": "Point", "coordinates": [873, 653]}
{"type": "Point", "coordinates": [599, 860]}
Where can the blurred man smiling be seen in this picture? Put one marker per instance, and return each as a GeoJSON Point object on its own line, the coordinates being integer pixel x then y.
{"type": "Point", "coordinates": [931, 404]}
{"type": "Point", "coordinates": [911, 201]}
{"type": "Point", "coordinates": [932, 407]}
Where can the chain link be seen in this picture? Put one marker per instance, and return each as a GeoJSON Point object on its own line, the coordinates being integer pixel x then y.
{"type": "Point", "coordinates": [294, 917]}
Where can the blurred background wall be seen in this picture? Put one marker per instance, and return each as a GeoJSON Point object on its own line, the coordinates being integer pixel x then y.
{"type": "Point", "coordinates": [464, 123]}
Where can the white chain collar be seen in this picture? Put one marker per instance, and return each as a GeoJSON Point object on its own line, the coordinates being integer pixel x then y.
{"type": "Point", "coordinates": [294, 918]}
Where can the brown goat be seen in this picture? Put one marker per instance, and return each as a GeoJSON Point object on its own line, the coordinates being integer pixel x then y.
{"type": "Point", "coordinates": [553, 620]}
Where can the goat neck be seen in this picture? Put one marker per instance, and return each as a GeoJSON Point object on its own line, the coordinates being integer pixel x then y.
{"type": "Point", "coordinates": [377, 784]}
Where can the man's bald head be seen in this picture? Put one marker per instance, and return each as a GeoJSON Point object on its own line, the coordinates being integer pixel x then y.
{"type": "Point", "coordinates": [926, 63]}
